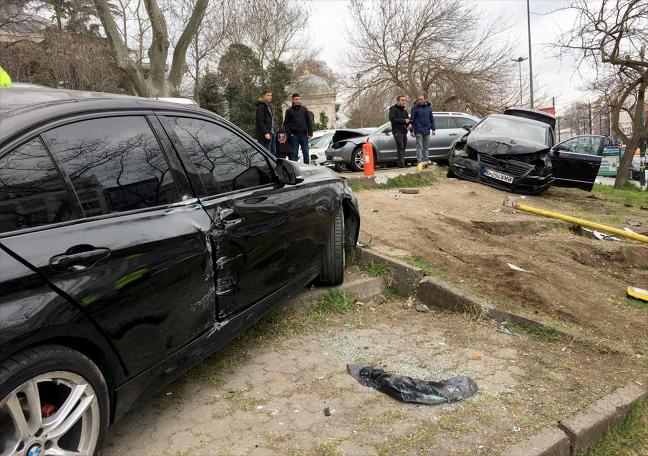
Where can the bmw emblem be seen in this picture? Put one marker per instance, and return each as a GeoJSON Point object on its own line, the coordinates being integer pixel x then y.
{"type": "Point", "coordinates": [35, 450]}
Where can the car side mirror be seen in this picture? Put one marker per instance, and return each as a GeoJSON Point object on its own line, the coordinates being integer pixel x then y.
{"type": "Point", "coordinates": [288, 172]}
{"type": "Point", "coordinates": [467, 127]}
{"type": "Point", "coordinates": [559, 147]}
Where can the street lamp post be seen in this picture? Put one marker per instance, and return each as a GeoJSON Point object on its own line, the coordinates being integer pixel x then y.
{"type": "Point", "coordinates": [519, 60]}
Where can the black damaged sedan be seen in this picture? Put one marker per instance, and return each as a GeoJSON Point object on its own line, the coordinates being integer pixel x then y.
{"type": "Point", "coordinates": [136, 238]}
{"type": "Point", "coordinates": [515, 152]}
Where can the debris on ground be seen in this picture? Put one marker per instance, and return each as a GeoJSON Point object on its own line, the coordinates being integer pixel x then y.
{"type": "Point", "coordinates": [593, 233]}
{"type": "Point", "coordinates": [408, 389]}
{"type": "Point", "coordinates": [516, 268]}
{"type": "Point", "coordinates": [638, 293]}
{"type": "Point", "coordinates": [420, 307]}
{"type": "Point", "coordinates": [633, 223]}
{"type": "Point", "coordinates": [505, 330]}
{"type": "Point", "coordinates": [475, 356]}
{"type": "Point", "coordinates": [409, 191]}
{"type": "Point", "coordinates": [410, 302]}
{"type": "Point", "coordinates": [328, 411]}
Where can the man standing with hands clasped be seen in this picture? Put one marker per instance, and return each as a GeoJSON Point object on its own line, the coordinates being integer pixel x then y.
{"type": "Point", "coordinates": [299, 126]}
{"type": "Point", "coordinates": [264, 121]}
{"type": "Point", "coordinates": [399, 119]}
{"type": "Point", "coordinates": [422, 122]}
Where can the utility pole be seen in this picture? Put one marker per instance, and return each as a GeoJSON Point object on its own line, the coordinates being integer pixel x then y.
{"type": "Point", "coordinates": [590, 118]}
{"type": "Point", "coordinates": [519, 60]}
{"type": "Point", "coordinates": [642, 143]}
{"type": "Point", "coordinates": [530, 53]}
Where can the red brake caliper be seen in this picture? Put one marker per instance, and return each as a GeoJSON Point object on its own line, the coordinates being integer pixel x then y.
{"type": "Point", "coordinates": [47, 410]}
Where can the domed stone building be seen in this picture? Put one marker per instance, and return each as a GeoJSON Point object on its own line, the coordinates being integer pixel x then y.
{"type": "Point", "coordinates": [317, 95]}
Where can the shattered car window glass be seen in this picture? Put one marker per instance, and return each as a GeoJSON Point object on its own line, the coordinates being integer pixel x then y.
{"type": "Point", "coordinates": [587, 145]}
{"type": "Point", "coordinates": [510, 128]}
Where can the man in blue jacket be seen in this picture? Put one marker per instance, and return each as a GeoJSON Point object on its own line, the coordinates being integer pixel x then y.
{"type": "Point", "coordinates": [422, 122]}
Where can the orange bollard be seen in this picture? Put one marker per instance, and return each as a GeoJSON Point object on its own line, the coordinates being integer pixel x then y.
{"type": "Point", "coordinates": [368, 159]}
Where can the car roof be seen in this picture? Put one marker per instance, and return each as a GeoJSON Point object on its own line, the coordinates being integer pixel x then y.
{"type": "Point", "coordinates": [23, 107]}
{"type": "Point", "coordinates": [519, 119]}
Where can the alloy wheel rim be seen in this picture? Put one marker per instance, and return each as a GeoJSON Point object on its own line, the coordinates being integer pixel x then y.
{"type": "Point", "coordinates": [359, 159]}
{"type": "Point", "coordinates": [53, 414]}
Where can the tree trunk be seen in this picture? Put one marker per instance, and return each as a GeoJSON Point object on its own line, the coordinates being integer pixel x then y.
{"type": "Point", "coordinates": [120, 51]}
{"type": "Point", "coordinates": [625, 162]}
{"type": "Point", "coordinates": [159, 49]}
{"type": "Point", "coordinates": [179, 65]}
{"type": "Point", "coordinates": [638, 132]}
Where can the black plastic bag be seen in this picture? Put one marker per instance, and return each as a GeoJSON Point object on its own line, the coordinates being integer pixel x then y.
{"type": "Point", "coordinates": [408, 389]}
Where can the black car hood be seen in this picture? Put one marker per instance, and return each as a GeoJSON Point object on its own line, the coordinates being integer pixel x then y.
{"type": "Point", "coordinates": [501, 145]}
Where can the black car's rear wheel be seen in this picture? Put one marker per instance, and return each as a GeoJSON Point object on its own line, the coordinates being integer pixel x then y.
{"type": "Point", "coordinates": [334, 255]}
{"type": "Point", "coordinates": [53, 400]}
{"type": "Point", "coordinates": [357, 160]}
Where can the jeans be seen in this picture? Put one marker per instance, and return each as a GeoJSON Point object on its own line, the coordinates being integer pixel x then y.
{"type": "Point", "coordinates": [295, 142]}
{"type": "Point", "coordinates": [401, 142]}
{"type": "Point", "coordinates": [269, 144]}
{"type": "Point", "coordinates": [422, 147]}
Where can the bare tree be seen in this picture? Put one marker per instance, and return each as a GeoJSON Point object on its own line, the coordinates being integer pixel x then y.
{"type": "Point", "coordinates": [611, 37]}
{"type": "Point", "coordinates": [154, 82]}
{"type": "Point", "coordinates": [438, 47]}
{"type": "Point", "coordinates": [273, 28]}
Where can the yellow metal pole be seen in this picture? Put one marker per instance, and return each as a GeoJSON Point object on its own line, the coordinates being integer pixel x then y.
{"type": "Point", "coordinates": [581, 222]}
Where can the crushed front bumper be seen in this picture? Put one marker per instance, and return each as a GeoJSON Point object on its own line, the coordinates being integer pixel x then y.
{"type": "Point", "coordinates": [521, 177]}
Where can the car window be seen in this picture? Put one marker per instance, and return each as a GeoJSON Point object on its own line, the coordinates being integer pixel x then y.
{"type": "Point", "coordinates": [588, 145]}
{"type": "Point", "coordinates": [224, 160]}
{"type": "Point", "coordinates": [32, 192]}
{"type": "Point", "coordinates": [459, 122]}
{"type": "Point", "coordinates": [115, 164]}
{"type": "Point", "coordinates": [441, 122]}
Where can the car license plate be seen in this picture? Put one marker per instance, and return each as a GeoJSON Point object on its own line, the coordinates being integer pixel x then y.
{"type": "Point", "coordinates": [499, 176]}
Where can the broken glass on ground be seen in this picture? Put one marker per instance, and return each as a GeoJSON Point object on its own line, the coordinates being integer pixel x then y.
{"type": "Point", "coordinates": [408, 389]}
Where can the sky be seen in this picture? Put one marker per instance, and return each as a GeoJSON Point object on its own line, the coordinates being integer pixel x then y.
{"type": "Point", "coordinates": [557, 77]}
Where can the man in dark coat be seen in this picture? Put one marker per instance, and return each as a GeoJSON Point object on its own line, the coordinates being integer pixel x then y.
{"type": "Point", "coordinates": [264, 129]}
{"type": "Point", "coordinates": [422, 122]}
{"type": "Point", "coordinates": [299, 126]}
{"type": "Point", "coordinates": [399, 119]}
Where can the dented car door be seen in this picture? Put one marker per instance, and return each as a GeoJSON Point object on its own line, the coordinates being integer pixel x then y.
{"type": "Point", "coordinates": [576, 161]}
{"type": "Point", "coordinates": [254, 245]}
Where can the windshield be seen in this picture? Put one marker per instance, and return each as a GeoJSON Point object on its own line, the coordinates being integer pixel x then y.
{"type": "Point", "coordinates": [511, 128]}
{"type": "Point", "coordinates": [321, 141]}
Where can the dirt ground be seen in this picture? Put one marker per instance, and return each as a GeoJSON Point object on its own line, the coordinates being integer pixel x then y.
{"type": "Point", "coordinates": [465, 235]}
{"type": "Point", "coordinates": [266, 394]}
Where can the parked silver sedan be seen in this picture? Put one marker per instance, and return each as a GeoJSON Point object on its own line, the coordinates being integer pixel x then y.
{"type": "Point", "coordinates": [347, 147]}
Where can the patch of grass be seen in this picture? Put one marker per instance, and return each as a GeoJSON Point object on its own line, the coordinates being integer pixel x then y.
{"type": "Point", "coordinates": [377, 269]}
{"type": "Point", "coordinates": [423, 179]}
{"type": "Point", "coordinates": [423, 265]}
{"type": "Point", "coordinates": [390, 293]}
{"type": "Point", "coordinates": [335, 301]}
{"type": "Point", "coordinates": [630, 438]}
{"type": "Point", "coordinates": [636, 303]}
{"type": "Point", "coordinates": [544, 333]}
{"type": "Point", "coordinates": [629, 193]}
{"type": "Point", "coordinates": [644, 267]}
{"type": "Point", "coordinates": [327, 449]}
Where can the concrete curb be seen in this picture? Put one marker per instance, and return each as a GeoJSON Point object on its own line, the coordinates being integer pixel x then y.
{"type": "Point", "coordinates": [380, 179]}
{"type": "Point", "coordinates": [412, 281]}
{"type": "Point", "coordinates": [364, 289]}
{"type": "Point", "coordinates": [583, 430]}
{"type": "Point", "coordinates": [574, 434]}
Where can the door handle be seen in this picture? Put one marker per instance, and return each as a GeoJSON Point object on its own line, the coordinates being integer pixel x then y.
{"type": "Point", "coordinates": [78, 261]}
{"type": "Point", "coordinates": [452, 134]}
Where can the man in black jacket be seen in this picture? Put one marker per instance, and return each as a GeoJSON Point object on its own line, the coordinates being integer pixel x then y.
{"type": "Point", "coordinates": [299, 126]}
{"type": "Point", "coordinates": [399, 121]}
{"type": "Point", "coordinates": [264, 121]}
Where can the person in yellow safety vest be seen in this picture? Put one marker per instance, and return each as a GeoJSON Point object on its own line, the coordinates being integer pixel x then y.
{"type": "Point", "coordinates": [5, 80]}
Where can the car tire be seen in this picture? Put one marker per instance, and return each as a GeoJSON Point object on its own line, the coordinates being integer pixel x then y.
{"type": "Point", "coordinates": [332, 272]}
{"type": "Point", "coordinates": [357, 160]}
{"type": "Point", "coordinates": [55, 381]}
